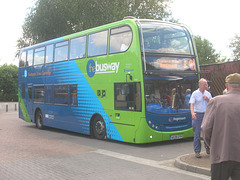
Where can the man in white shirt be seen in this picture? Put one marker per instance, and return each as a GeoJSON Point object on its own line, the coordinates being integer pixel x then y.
{"type": "Point", "coordinates": [198, 103]}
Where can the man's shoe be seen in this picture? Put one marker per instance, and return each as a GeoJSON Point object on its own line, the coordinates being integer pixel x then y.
{"type": "Point", "coordinates": [198, 155]}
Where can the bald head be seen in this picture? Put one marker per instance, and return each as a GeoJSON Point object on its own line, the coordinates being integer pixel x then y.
{"type": "Point", "coordinates": [203, 85]}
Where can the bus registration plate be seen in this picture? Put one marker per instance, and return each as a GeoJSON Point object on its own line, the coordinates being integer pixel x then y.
{"type": "Point", "coordinates": [176, 137]}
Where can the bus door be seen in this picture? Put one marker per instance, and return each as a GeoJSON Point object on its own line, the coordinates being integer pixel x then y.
{"type": "Point", "coordinates": [127, 103]}
{"type": "Point", "coordinates": [127, 96]}
{"type": "Point", "coordinates": [29, 103]}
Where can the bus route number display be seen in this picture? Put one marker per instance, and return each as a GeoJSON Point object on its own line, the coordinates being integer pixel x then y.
{"type": "Point", "coordinates": [181, 64]}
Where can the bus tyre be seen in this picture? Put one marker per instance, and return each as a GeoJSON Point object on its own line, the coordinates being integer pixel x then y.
{"type": "Point", "coordinates": [99, 128]}
{"type": "Point", "coordinates": [39, 119]}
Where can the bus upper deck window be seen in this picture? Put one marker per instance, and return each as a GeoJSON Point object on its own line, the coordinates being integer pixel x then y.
{"type": "Point", "coordinates": [78, 48]}
{"type": "Point", "coordinates": [29, 58]}
{"type": "Point", "coordinates": [120, 39]}
{"type": "Point", "coordinates": [49, 53]}
{"type": "Point", "coordinates": [22, 61]}
{"type": "Point", "coordinates": [39, 56]}
{"type": "Point", "coordinates": [61, 51]}
{"type": "Point", "coordinates": [97, 43]}
{"type": "Point", "coordinates": [166, 38]}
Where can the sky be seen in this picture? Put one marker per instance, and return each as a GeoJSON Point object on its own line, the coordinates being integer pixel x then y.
{"type": "Point", "coordinates": [214, 20]}
{"type": "Point", "coordinates": [12, 15]}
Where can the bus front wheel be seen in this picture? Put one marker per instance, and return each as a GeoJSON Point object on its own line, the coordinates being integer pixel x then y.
{"type": "Point", "coordinates": [39, 119]}
{"type": "Point", "coordinates": [99, 127]}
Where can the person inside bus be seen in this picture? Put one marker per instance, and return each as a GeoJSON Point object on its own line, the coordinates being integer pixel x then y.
{"type": "Point", "coordinates": [153, 99]}
{"type": "Point", "coordinates": [187, 98]}
{"type": "Point", "coordinates": [176, 98]}
{"type": "Point", "coordinates": [167, 98]}
{"type": "Point", "coordinates": [125, 43]}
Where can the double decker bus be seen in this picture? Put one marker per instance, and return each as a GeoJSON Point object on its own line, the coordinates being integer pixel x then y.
{"type": "Point", "coordinates": [124, 81]}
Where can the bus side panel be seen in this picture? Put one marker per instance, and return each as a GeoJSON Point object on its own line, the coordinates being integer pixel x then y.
{"type": "Point", "coordinates": [103, 72]}
{"type": "Point", "coordinates": [61, 117]}
{"type": "Point", "coordinates": [88, 102]}
{"type": "Point", "coordinates": [74, 118]}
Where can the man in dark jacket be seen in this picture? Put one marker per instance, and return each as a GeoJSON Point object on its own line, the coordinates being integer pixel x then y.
{"type": "Point", "coordinates": [221, 131]}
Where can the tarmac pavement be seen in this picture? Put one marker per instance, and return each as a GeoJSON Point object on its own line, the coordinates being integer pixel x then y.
{"type": "Point", "coordinates": [45, 157]}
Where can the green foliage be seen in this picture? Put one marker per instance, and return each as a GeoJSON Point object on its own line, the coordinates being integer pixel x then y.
{"type": "Point", "coordinates": [50, 19]}
{"type": "Point", "coordinates": [235, 46]}
{"type": "Point", "coordinates": [206, 53]}
{"type": "Point", "coordinates": [8, 82]}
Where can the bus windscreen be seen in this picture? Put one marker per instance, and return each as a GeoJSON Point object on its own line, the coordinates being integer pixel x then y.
{"type": "Point", "coordinates": [163, 38]}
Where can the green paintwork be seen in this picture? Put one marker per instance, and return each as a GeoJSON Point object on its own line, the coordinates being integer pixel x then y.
{"type": "Point", "coordinates": [23, 108]}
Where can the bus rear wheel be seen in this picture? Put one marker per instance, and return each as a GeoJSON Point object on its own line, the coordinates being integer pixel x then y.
{"type": "Point", "coordinates": [99, 127]}
{"type": "Point", "coordinates": [39, 120]}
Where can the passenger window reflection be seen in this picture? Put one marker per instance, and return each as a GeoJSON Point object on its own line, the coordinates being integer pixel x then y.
{"type": "Point", "coordinates": [168, 97]}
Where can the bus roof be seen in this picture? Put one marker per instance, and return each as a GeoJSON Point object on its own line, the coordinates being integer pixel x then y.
{"type": "Point", "coordinates": [128, 20]}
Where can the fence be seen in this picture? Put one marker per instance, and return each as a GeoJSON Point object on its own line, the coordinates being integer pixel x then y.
{"type": "Point", "coordinates": [216, 74]}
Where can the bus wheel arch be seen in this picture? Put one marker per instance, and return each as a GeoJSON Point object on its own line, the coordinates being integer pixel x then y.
{"type": "Point", "coordinates": [39, 118]}
{"type": "Point", "coordinates": [98, 127]}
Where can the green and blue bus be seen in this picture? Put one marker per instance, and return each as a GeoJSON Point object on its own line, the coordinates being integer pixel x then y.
{"type": "Point", "coordinates": [124, 81]}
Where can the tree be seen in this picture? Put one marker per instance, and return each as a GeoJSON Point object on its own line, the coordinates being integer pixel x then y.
{"type": "Point", "coordinates": [235, 46]}
{"type": "Point", "coordinates": [49, 19]}
{"type": "Point", "coordinates": [8, 82]}
{"type": "Point", "coordinates": [206, 53]}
